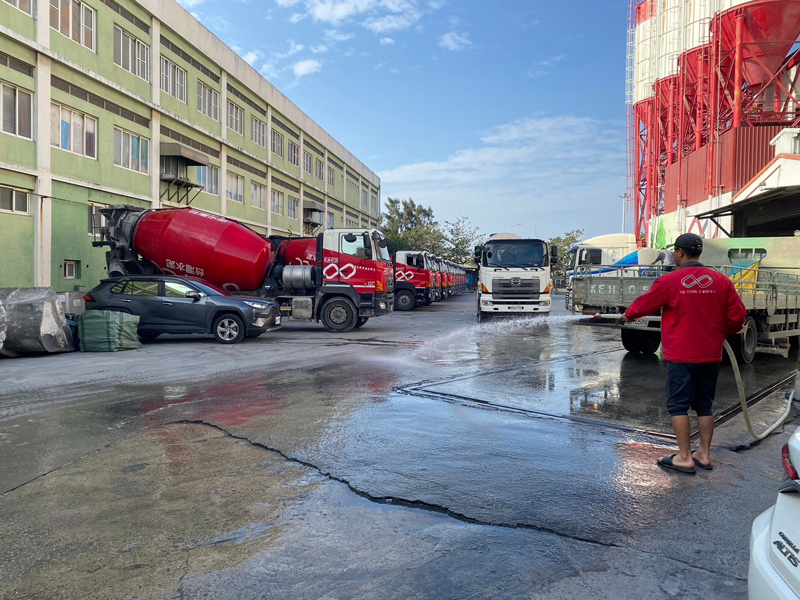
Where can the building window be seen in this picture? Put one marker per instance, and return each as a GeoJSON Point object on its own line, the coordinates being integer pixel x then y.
{"type": "Point", "coordinates": [131, 54]}
{"type": "Point", "coordinates": [364, 199]}
{"type": "Point", "coordinates": [235, 118]}
{"type": "Point", "coordinates": [259, 132]}
{"type": "Point", "coordinates": [330, 220]}
{"type": "Point", "coordinates": [23, 5]}
{"type": "Point", "coordinates": [13, 200]}
{"type": "Point", "coordinates": [258, 195]}
{"type": "Point", "coordinates": [330, 176]}
{"type": "Point", "coordinates": [307, 160]}
{"type": "Point", "coordinates": [72, 130]}
{"type": "Point", "coordinates": [70, 269]}
{"type": "Point", "coordinates": [73, 19]}
{"type": "Point", "coordinates": [277, 202]}
{"type": "Point", "coordinates": [319, 169]}
{"type": "Point", "coordinates": [208, 177]}
{"type": "Point", "coordinates": [236, 188]}
{"type": "Point", "coordinates": [374, 205]}
{"type": "Point", "coordinates": [131, 151]}
{"type": "Point", "coordinates": [293, 208]}
{"type": "Point", "coordinates": [207, 100]}
{"type": "Point", "coordinates": [277, 143]}
{"type": "Point", "coordinates": [173, 79]}
{"type": "Point", "coordinates": [15, 111]}
{"type": "Point", "coordinates": [97, 220]}
{"type": "Point", "coordinates": [172, 166]}
{"type": "Point", "coordinates": [294, 153]}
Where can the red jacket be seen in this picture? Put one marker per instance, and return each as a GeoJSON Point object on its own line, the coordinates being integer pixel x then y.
{"type": "Point", "coordinates": [700, 309]}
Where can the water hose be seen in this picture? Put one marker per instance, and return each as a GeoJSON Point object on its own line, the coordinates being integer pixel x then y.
{"type": "Point", "coordinates": [743, 399]}
{"type": "Point", "coordinates": [739, 385]}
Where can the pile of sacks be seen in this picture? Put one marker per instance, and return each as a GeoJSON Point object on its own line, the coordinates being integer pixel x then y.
{"type": "Point", "coordinates": [32, 321]}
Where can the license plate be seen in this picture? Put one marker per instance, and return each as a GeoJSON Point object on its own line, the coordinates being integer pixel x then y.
{"type": "Point", "coordinates": [516, 308]}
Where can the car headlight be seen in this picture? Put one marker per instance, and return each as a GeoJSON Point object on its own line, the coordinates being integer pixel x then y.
{"type": "Point", "coordinates": [255, 304]}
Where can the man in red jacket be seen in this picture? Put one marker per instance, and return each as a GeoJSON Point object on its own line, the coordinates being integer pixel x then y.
{"type": "Point", "coordinates": [700, 308]}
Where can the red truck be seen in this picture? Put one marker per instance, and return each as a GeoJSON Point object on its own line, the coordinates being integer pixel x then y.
{"type": "Point", "coordinates": [415, 280]}
{"type": "Point", "coordinates": [341, 277]}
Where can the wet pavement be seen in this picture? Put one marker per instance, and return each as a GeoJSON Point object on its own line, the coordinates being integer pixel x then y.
{"type": "Point", "coordinates": [423, 456]}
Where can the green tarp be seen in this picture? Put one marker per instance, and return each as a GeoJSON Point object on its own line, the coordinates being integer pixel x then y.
{"type": "Point", "coordinates": [108, 331]}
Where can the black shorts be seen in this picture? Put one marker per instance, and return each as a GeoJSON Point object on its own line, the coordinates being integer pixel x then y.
{"type": "Point", "coordinates": [691, 385]}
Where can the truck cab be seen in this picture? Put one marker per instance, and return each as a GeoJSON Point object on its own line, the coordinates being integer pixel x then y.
{"type": "Point", "coordinates": [514, 276]}
{"type": "Point", "coordinates": [413, 280]}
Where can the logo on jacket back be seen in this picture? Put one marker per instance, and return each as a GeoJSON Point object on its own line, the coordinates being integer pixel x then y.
{"type": "Point", "coordinates": [691, 281]}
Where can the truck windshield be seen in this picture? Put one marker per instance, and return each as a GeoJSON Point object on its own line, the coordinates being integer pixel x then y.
{"type": "Point", "coordinates": [515, 254]}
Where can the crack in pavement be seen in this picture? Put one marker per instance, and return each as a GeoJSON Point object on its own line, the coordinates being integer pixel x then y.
{"type": "Point", "coordinates": [72, 462]}
{"type": "Point", "coordinates": [435, 508]}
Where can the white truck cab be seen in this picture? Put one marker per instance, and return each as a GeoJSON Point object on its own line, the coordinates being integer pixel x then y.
{"type": "Point", "coordinates": [514, 276]}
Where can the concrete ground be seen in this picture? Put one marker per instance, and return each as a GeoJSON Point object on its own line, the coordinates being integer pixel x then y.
{"type": "Point", "coordinates": [422, 456]}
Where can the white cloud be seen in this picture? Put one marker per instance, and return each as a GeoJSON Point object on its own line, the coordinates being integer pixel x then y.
{"type": "Point", "coordinates": [334, 35]}
{"type": "Point", "coordinates": [540, 168]}
{"type": "Point", "coordinates": [386, 41]}
{"type": "Point", "coordinates": [336, 11]}
{"type": "Point", "coordinates": [306, 67]}
{"type": "Point", "coordinates": [286, 3]}
{"type": "Point", "coordinates": [455, 41]}
{"type": "Point", "coordinates": [543, 67]}
{"type": "Point", "coordinates": [189, 4]}
{"type": "Point", "coordinates": [252, 56]}
{"type": "Point", "coordinates": [319, 49]}
{"type": "Point", "coordinates": [297, 17]}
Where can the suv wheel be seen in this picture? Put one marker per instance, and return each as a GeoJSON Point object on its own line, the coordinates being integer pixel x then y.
{"type": "Point", "coordinates": [228, 329]}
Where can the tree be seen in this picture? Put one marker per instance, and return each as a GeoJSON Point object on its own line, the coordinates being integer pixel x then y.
{"type": "Point", "coordinates": [564, 243]}
{"type": "Point", "coordinates": [462, 238]}
{"type": "Point", "coordinates": [405, 215]}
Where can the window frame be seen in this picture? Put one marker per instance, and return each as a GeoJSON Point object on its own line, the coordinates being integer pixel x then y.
{"type": "Point", "coordinates": [207, 98]}
{"type": "Point", "coordinates": [146, 154]}
{"type": "Point", "coordinates": [14, 199]}
{"type": "Point", "coordinates": [308, 162]}
{"type": "Point", "coordinates": [258, 190]}
{"type": "Point", "coordinates": [319, 169]}
{"type": "Point", "coordinates": [15, 4]}
{"type": "Point", "coordinates": [74, 265]}
{"type": "Point", "coordinates": [169, 79]}
{"type": "Point", "coordinates": [293, 208]}
{"type": "Point", "coordinates": [258, 131]}
{"type": "Point", "coordinates": [138, 53]}
{"type": "Point", "coordinates": [71, 132]}
{"type": "Point", "coordinates": [294, 154]}
{"type": "Point", "coordinates": [238, 196]}
{"type": "Point", "coordinates": [331, 176]}
{"type": "Point", "coordinates": [276, 141]}
{"type": "Point", "coordinates": [330, 221]}
{"type": "Point", "coordinates": [56, 7]}
{"type": "Point", "coordinates": [277, 195]}
{"type": "Point", "coordinates": [209, 180]}
{"type": "Point", "coordinates": [235, 117]}
{"type": "Point", "coordinates": [16, 91]}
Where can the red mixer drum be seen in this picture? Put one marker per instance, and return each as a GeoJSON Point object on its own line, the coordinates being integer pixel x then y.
{"type": "Point", "coordinates": [186, 241]}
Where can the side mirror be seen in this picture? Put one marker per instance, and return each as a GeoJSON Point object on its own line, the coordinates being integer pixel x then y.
{"type": "Point", "coordinates": [383, 243]}
{"type": "Point", "coordinates": [350, 238]}
{"type": "Point", "coordinates": [193, 295]}
{"type": "Point", "coordinates": [554, 252]}
{"type": "Point", "coordinates": [478, 252]}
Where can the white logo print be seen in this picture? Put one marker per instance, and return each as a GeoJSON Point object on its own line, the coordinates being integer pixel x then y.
{"type": "Point", "coordinates": [346, 272]}
{"type": "Point", "coordinates": [405, 276]}
{"type": "Point", "coordinates": [691, 281]}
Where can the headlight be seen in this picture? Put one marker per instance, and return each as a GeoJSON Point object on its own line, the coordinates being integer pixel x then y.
{"type": "Point", "coordinates": [257, 305]}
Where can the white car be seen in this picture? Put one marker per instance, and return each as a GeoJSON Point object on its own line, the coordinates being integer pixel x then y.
{"type": "Point", "coordinates": [775, 538]}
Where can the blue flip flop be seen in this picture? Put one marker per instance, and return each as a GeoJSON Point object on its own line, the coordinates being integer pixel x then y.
{"type": "Point", "coordinates": [697, 463]}
{"type": "Point", "coordinates": [666, 463]}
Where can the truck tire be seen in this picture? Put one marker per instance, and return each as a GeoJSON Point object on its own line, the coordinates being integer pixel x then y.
{"type": "Point", "coordinates": [744, 344]}
{"type": "Point", "coordinates": [361, 322]}
{"type": "Point", "coordinates": [228, 329]}
{"type": "Point", "coordinates": [339, 315]}
{"type": "Point", "coordinates": [404, 300]}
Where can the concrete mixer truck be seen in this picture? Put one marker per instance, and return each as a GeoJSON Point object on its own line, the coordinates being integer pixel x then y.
{"type": "Point", "coordinates": [341, 277]}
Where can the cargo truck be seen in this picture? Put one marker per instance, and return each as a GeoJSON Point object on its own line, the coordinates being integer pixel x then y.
{"type": "Point", "coordinates": [514, 276]}
{"type": "Point", "coordinates": [414, 280]}
{"type": "Point", "coordinates": [341, 277]}
{"type": "Point", "coordinates": [764, 271]}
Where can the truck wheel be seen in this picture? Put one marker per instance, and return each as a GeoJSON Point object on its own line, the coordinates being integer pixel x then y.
{"type": "Point", "coordinates": [361, 322]}
{"type": "Point", "coordinates": [744, 344]}
{"type": "Point", "coordinates": [404, 300]}
{"type": "Point", "coordinates": [228, 329]}
{"type": "Point", "coordinates": [339, 315]}
{"type": "Point", "coordinates": [646, 342]}
{"type": "Point", "coordinates": [630, 340]}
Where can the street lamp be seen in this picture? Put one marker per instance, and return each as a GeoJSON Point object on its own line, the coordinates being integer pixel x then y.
{"type": "Point", "coordinates": [624, 196]}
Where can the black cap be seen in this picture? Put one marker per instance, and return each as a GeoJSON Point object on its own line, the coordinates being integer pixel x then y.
{"type": "Point", "coordinates": [691, 243]}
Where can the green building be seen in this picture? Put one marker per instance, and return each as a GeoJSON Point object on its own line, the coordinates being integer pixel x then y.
{"type": "Point", "coordinates": [122, 102]}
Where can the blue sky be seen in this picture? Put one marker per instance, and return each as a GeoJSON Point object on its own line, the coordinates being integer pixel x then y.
{"type": "Point", "coordinates": [509, 112]}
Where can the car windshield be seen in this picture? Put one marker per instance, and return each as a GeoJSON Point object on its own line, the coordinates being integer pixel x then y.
{"type": "Point", "coordinates": [515, 253]}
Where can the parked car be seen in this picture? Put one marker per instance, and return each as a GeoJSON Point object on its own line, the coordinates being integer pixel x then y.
{"type": "Point", "coordinates": [167, 304]}
{"type": "Point", "coordinates": [774, 572]}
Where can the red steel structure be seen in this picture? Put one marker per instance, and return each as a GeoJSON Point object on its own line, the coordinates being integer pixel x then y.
{"type": "Point", "coordinates": [711, 82]}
